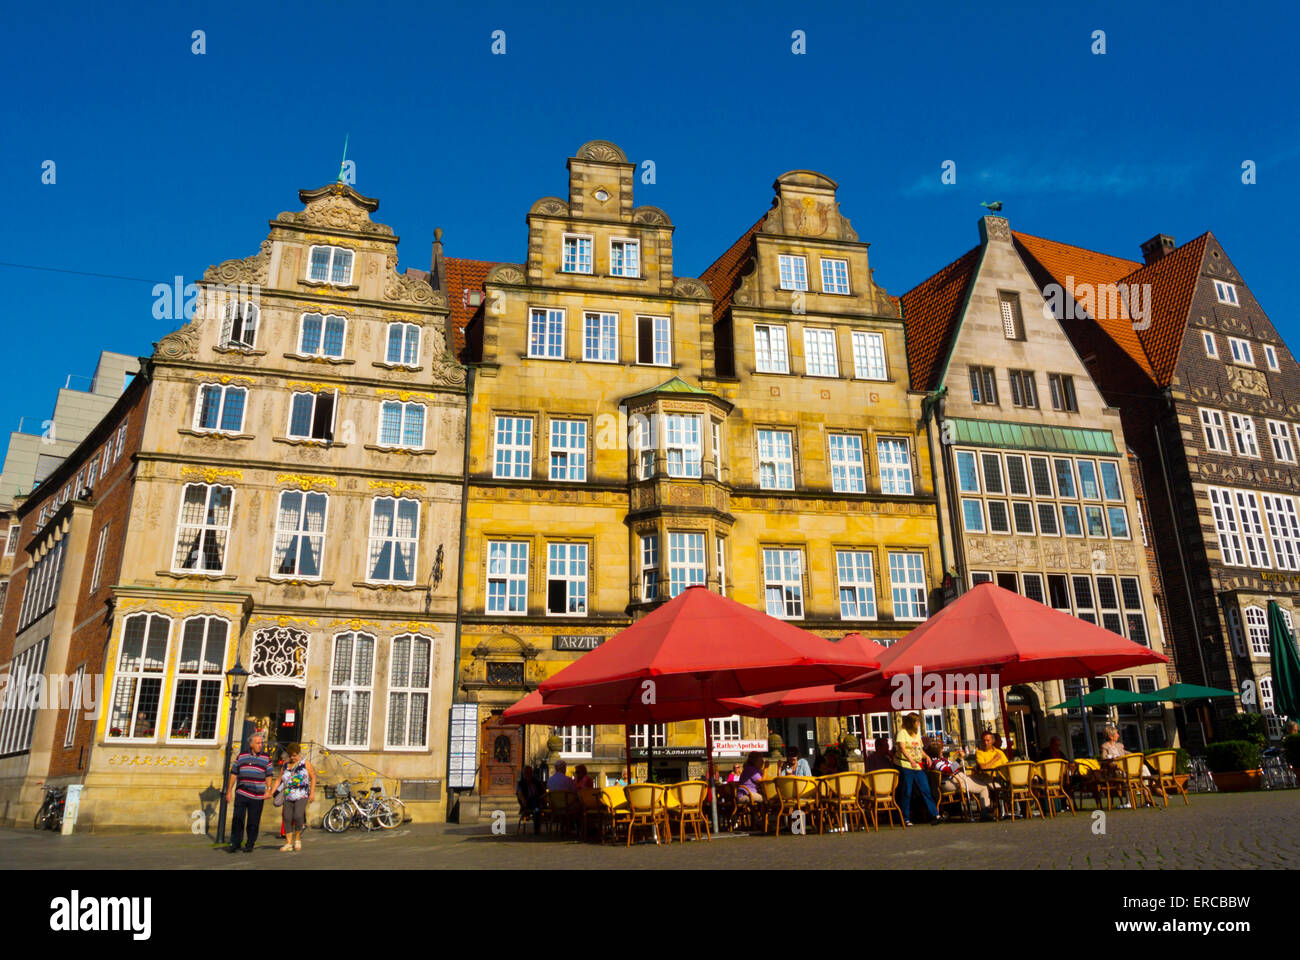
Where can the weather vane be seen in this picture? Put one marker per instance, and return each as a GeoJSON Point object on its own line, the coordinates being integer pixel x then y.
{"type": "Point", "coordinates": [344, 164]}
{"type": "Point", "coordinates": [995, 206]}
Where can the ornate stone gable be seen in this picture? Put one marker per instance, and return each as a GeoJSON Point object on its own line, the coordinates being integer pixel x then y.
{"type": "Point", "coordinates": [336, 207]}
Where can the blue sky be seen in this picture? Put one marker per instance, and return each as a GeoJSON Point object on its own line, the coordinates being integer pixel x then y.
{"type": "Point", "coordinates": [167, 161]}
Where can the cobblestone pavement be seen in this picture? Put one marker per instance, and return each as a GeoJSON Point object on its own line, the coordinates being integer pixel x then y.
{"type": "Point", "coordinates": [1239, 831]}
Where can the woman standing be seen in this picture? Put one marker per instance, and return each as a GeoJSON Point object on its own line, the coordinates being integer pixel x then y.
{"type": "Point", "coordinates": [298, 783]}
{"type": "Point", "coordinates": [912, 765]}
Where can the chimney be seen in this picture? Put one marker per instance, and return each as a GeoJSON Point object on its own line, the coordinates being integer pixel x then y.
{"type": "Point", "coordinates": [1157, 247]}
{"type": "Point", "coordinates": [437, 266]}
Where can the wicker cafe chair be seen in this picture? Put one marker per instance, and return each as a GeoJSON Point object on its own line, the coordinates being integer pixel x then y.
{"type": "Point", "coordinates": [839, 801]}
{"type": "Point", "coordinates": [687, 807]}
{"type": "Point", "coordinates": [1017, 776]}
{"type": "Point", "coordinates": [769, 805]}
{"type": "Point", "coordinates": [1085, 780]}
{"type": "Point", "coordinates": [1164, 779]}
{"type": "Point", "coordinates": [728, 807]}
{"type": "Point", "coordinates": [645, 802]}
{"type": "Point", "coordinates": [957, 797]}
{"type": "Point", "coordinates": [880, 787]}
{"type": "Point", "coordinates": [593, 812]}
{"type": "Point", "coordinates": [526, 813]}
{"type": "Point", "coordinates": [794, 793]}
{"type": "Point", "coordinates": [1133, 774]}
{"type": "Point", "coordinates": [1050, 785]}
{"type": "Point", "coordinates": [563, 811]}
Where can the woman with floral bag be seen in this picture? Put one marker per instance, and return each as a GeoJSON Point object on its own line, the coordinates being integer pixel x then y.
{"type": "Point", "coordinates": [296, 790]}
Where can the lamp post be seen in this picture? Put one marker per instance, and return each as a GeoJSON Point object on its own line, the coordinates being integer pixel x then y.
{"type": "Point", "coordinates": [234, 677]}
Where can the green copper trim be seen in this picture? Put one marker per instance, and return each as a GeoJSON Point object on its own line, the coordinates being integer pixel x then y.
{"type": "Point", "coordinates": [1024, 436]}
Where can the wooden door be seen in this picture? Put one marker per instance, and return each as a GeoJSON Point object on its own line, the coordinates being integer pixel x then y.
{"type": "Point", "coordinates": [500, 758]}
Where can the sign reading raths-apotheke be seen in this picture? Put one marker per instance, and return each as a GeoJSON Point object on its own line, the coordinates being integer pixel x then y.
{"type": "Point", "coordinates": [569, 641]}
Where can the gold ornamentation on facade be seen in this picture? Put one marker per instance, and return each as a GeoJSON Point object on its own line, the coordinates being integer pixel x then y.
{"type": "Point", "coordinates": [285, 621]}
{"type": "Point", "coordinates": [406, 395]}
{"type": "Point", "coordinates": [396, 487]}
{"type": "Point", "coordinates": [306, 481]}
{"type": "Point", "coordinates": [224, 379]}
{"type": "Point", "coordinates": [314, 387]}
{"type": "Point", "coordinates": [355, 624]}
{"type": "Point", "coordinates": [212, 474]}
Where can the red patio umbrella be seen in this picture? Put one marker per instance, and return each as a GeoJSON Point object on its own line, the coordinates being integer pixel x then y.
{"type": "Point", "coordinates": [992, 631]}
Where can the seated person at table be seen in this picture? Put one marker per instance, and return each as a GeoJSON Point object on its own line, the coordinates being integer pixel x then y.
{"type": "Point", "coordinates": [581, 778]}
{"type": "Point", "coordinates": [882, 758]}
{"type": "Point", "coordinates": [953, 775]}
{"type": "Point", "coordinates": [799, 765]}
{"type": "Point", "coordinates": [1053, 750]}
{"type": "Point", "coordinates": [787, 766]}
{"type": "Point", "coordinates": [990, 755]}
{"type": "Point", "coordinates": [529, 794]}
{"type": "Point", "coordinates": [734, 775]}
{"type": "Point", "coordinates": [559, 779]}
{"type": "Point", "coordinates": [1112, 749]}
{"type": "Point", "coordinates": [747, 785]}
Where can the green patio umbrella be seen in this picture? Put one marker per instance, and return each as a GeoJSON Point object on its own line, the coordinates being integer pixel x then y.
{"type": "Point", "coordinates": [1178, 692]}
{"type": "Point", "coordinates": [1106, 697]}
{"type": "Point", "coordinates": [1286, 664]}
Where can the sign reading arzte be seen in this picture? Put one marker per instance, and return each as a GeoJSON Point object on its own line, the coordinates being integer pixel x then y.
{"type": "Point", "coordinates": [567, 641]}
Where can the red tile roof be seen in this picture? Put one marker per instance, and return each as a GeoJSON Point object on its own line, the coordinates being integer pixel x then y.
{"type": "Point", "coordinates": [723, 276]}
{"type": "Point", "coordinates": [931, 311]}
{"type": "Point", "coordinates": [1100, 271]}
{"type": "Point", "coordinates": [462, 276]}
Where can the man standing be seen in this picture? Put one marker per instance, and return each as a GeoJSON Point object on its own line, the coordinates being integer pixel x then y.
{"type": "Point", "coordinates": [247, 789]}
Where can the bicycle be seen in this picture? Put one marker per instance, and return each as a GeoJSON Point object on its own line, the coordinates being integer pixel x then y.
{"type": "Point", "coordinates": [393, 804]}
{"type": "Point", "coordinates": [363, 811]}
{"type": "Point", "coordinates": [50, 815]}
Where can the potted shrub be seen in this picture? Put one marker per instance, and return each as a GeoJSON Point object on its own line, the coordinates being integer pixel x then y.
{"type": "Point", "coordinates": [1234, 765]}
{"type": "Point", "coordinates": [1182, 765]}
{"type": "Point", "coordinates": [775, 744]}
{"type": "Point", "coordinates": [1245, 726]}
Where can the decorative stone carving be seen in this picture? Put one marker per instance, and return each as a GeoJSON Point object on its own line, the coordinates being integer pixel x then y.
{"type": "Point", "coordinates": [551, 207]}
{"type": "Point", "coordinates": [651, 215]}
{"type": "Point", "coordinates": [446, 370]}
{"type": "Point", "coordinates": [395, 487]}
{"type": "Point", "coordinates": [404, 288]}
{"type": "Point", "coordinates": [601, 151]}
{"type": "Point", "coordinates": [306, 481]}
{"type": "Point", "coordinates": [212, 474]}
{"type": "Point", "coordinates": [250, 270]}
{"type": "Point", "coordinates": [180, 344]}
{"type": "Point", "coordinates": [506, 273]}
{"type": "Point", "coordinates": [998, 228]}
{"type": "Point", "coordinates": [690, 287]}
{"type": "Point", "coordinates": [336, 207]}
{"type": "Point", "coordinates": [279, 656]}
{"type": "Point", "coordinates": [1244, 380]}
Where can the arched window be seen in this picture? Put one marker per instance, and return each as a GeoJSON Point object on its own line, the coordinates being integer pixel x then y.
{"type": "Point", "coordinates": [352, 674]}
{"type": "Point", "coordinates": [408, 692]}
{"type": "Point", "coordinates": [1257, 631]}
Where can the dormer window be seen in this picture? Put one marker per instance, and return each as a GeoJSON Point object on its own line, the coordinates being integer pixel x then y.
{"type": "Point", "coordinates": [577, 254]}
{"type": "Point", "coordinates": [625, 258]}
{"type": "Point", "coordinates": [1226, 292]}
{"type": "Point", "coordinates": [331, 265]}
{"type": "Point", "coordinates": [239, 328]}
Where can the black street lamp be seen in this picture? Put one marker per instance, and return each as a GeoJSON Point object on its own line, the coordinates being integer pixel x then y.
{"type": "Point", "coordinates": [235, 676]}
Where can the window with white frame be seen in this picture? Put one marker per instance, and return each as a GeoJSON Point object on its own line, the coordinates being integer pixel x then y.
{"type": "Point", "coordinates": [1000, 516]}
{"type": "Point", "coordinates": [311, 415]}
{"type": "Point", "coordinates": [299, 534]}
{"type": "Point", "coordinates": [1270, 356]}
{"type": "Point", "coordinates": [1243, 433]}
{"type": "Point", "coordinates": [1085, 606]}
{"type": "Point", "coordinates": [22, 700]}
{"type": "Point", "coordinates": [648, 734]}
{"type": "Point", "coordinates": [683, 445]}
{"type": "Point", "coordinates": [716, 438]}
{"type": "Point", "coordinates": [220, 409]}
{"type": "Point", "coordinates": [775, 460]}
{"type": "Point", "coordinates": [331, 265]}
{"type": "Point", "coordinates": [624, 257]}
{"type": "Point", "coordinates": [1017, 475]}
{"type": "Point", "coordinates": [653, 341]}
{"type": "Point", "coordinates": [1047, 519]}
{"type": "Point", "coordinates": [869, 356]}
{"type": "Point", "coordinates": [546, 333]}
{"type": "Point", "coordinates": [857, 584]}
{"type": "Point", "coordinates": [203, 529]}
{"type": "Point", "coordinates": [820, 359]}
{"type": "Point", "coordinates": [322, 335]}
{"type": "Point", "coordinates": [770, 353]}
{"type": "Point", "coordinates": [1257, 631]}
{"type": "Point", "coordinates": [1283, 529]}
{"type": "Point", "coordinates": [685, 561]}
{"type": "Point", "coordinates": [895, 466]}
{"type": "Point", "coordinates": [1022, 515]}
{"type": "Point", "coordinates": [907, 586]}
{"type": "Point", "coordinates": [1111, 488]}
{"type": "Point", "coordinates": [968, 475]}
{"type": "Point", "coordinates": [1225, 524]}
{"type": "Point", "coordinates": [972, 515]}
{"type": "Point", "coordinates": [577, 254]}
{"type": "Point", "coordinates": [848, 475]}
{"type": "Point", "coordinates": [1117, 517]}
{"type": "Point", "coordinates": [352, 672]}
{"type": "Point", "coordinates": [1061, 387]}
{"type": "Point", "coordinates": [725, 728]}
{"type": "Point", "coordinates": [200, 682]}
{"type": "Point", "coordinates": [401, 424]}
{"type": "Point", "coordinates": [1024, 388]}
{"type": "Point", "coordinates": [783, 583]}
{"type": "Point", "coordinates": [119, 443]}
{"type": "Point", "coordinates": [569, 450]}
{"type": "Point", "coordinates": [11, 542]}
{"type": "Point", "coordinates": [720, 562]}
{"type": "Point", "coordinates": [1216, 435]}
{"type": "Point", "coordinates": [394, 535]}
{"type": "Point", "coordinates": [650, 566]}
{"type": "Point", "coordinates": [408, 692]}
{"type": "Point", "coordinates": [835, 275]}
{"type": "Point", "coordinates": [566, 579]}
{"type": "Point", "coordinates": [1095, 518]}
{"type": "Point", "coordinates": [41, 591]}
{"type": "Point", "coordinates": [1252, 529]}
{"type": "Point", "coordinates": [1130, 591]}
{"type": "Point", "coordinates": [600, 337]}
{"type": "Point", "coordinates": [138, 683]}
{"type": "Point", "coordinates": [1108, 605]}
{"type": "Point", "coordinates": [1235, 633]}
{"type": "Point", "coordinates": [793, 271]}
{"type": "Point", "coordinates": [507, 577]}
{"type": "Point", "coordinates": [992, 473]}
{"type": "Point", "coordinates": [1274, 726]}
{"type": "Point", "coordinates": [513, 453]}
{"type": "Point", "coordinates": [1033, 586]}
{"type": "Point", "coordinates": [100, 547]}
{"type": "Point", "coordinates": [403, 344]}
{"type": "Point", "coordinates": [1279, 435]}
{"type": "Point", "coordinates": [1242, 352]}
{"type": "Point", "coordinates": [1211, 344]}
{"type": "Point", "coordinates": [106, 460]}
{"type": "Point", "coordinates": [74, 707]}
{"type": "Point", "coordinates": [239, 325]}
{"type": "Point", "coordinates": [646, 427]}
{"type": "Point", "coordinates": [1226, 292]}
{"type": "Point", "coordinates": [983, 386]}
{"type": "Point", "coordinates": [576, 741]}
